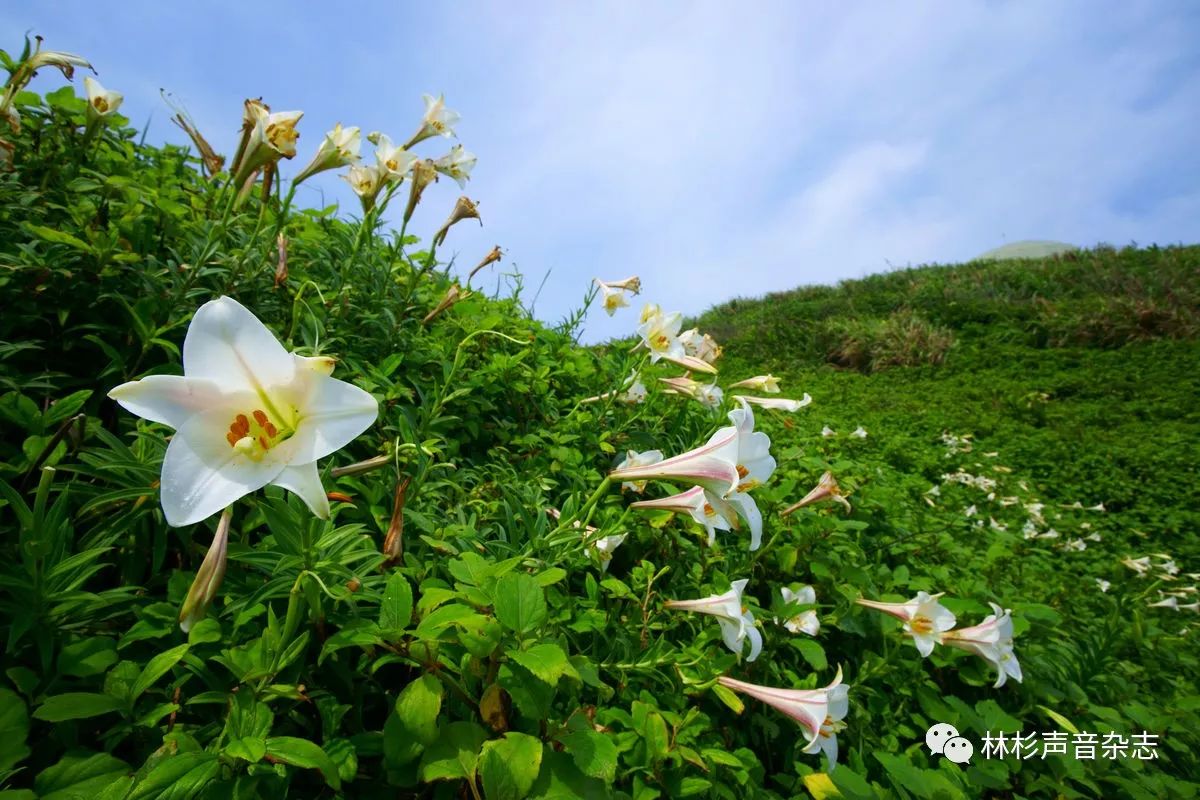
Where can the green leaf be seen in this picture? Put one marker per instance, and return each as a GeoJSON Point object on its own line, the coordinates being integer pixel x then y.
{"type": "Point", "coordinates": [247, 748]}
{"type": "Point", "coordinates": [156, 667]}
{"type": "Point", "coordinates": [812, 652]}
{"type": "Point", "coordinates": [547, 661]}
{"type": "Point", "coordinates": [520, 603]}
{"type": "Point", "coordinates": [413, 726]}
{"type": "Point", "coordinates": [66, 407]}
{"type": "Point", "coordinates": [594, 753]}
{"type": "Point", "coordinates": [303, 753]}
{"type": "Point", "coordinates": [78, 775]}
{"type": "Point", "coordinates": [509, 766]}
{"type": "Point", "coordinates": [395, 612]}
{"type": "Point", "coordinates": [178, 776]}
{"type": "Point", "coordinates": [14, 730]}
{"type": "Point", "coordinates": [56, 236]}
{"type": "Point", "coordinates": [729, 698]}
{"type": "Point", "coordinates": [1065, 723]}
{"type": "Point", "coordinates": [454, 754]}
{"type": "Point", "coordinates": [76, 705]}
{"type": "Point", "coordinates": [88, 657]}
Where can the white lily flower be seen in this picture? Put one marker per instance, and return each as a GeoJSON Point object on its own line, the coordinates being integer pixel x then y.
{"type": "Point", "coordinates": [826, 489]}
{"type": "Point", "coordinates": [611, 298]}
{"type": "Point", "coordinates": [713, 465]}
{"type": "Point", "coordinates": [660, 335]}
{"type": "Point", "coordinates": [701, 347]}
{"type": "Point", "coordinates": [1139, 565]}
{"type": "Point", "coordinates": [1167, 602]}
{"type": "Point", "coordinates": [805, 621]}
{"type": "Point", "coordinates": [635, 459]}
{"type": "Point", "coordinates": [819, 711]}
{"type": "Point", "coordinates": [759, 383]}
{"type": "Point", "coordinates": [339, 148]}
{"type": "Point", "coordinates": [1075, 545]}
{"type": "Point", "coordinates": [366, 181]}
{"type": "Point", "coordinates": [635, 391]}
{"type": "Point", "coordinates": [650, 311]}
{"type": "Point", "coordinates": [247, 413]}
{"type": "Point", "coordinates": [828, 432]}
{"type": "Point", "coordinates": [438, 120]}
{"type": "Point", "coordinates": [101, 102]}
{"type": "Point", "coordinates": [925, 619]}
{"type": "Point", "coordinates": [394, 161]}
{"type": "Point", "coordinates": [777, 403]}
{"type": "Point", "coordinates": [755, 463]}
{"type": "Point", "coordinates": [860, 432]}
{"type": "Point", "coordinates": [702, 506]}
{"type": "Point", "coordinates": [970, 511]}
{"type": "Point", "coordinates": [737, 623]}
{"type": "Point", "coordinates": [708, 395]}
{"type": "Point", "coordinates": [1103, 584]}
{"type": "Point", "coordinates": [457, 165]}
{"type": "Point", "coordinates": [272, 138]}
{"type": "Point", "coordinates": [991, 639]}
{"type": "Point", "coordinates": [604, 547]}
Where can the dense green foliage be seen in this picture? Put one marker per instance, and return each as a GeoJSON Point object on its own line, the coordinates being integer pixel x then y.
{"type": "Point", "coordinates": [494, 657]}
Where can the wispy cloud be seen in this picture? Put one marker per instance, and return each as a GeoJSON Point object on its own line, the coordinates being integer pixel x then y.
{"type": "Point", "coordinates": [714, 151]}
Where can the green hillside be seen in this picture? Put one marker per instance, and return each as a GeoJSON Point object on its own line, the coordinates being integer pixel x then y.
{"type": "Point", "coordinates": [226, 572]}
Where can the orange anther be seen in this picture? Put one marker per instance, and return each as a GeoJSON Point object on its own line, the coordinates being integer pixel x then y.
{"type": "Point", "coordinates": [742, 471]}
{"type": "Point", "coordinates": [271, 430]}
{"type": "Point", "coordinates": [260, 417]}
{"type": "Point", "coordinates": [242, 422]}
{"type": "Point", "coordinates": [232, 438]}
{"type": "Point", "coordinates": [262, 440]}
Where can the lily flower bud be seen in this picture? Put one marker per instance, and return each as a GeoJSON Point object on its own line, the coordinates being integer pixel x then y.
{"type": "Point", "coordinates": [281, 268]}
{"type": "Point", "coordinates": [423, 174]}
{"type": "Point", "coordinates": [453, 295]}
{"type": "Point", "coordinates": [491, 258]}
{"type": "Point", "coordinates": [464, 208]}
{"type": "Point", "coordinates": [208, 577]}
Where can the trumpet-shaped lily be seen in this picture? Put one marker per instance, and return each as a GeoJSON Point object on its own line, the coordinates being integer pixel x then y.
{"type": "Point", "coordinates": [992, 640]}
{"type": "Point", "coordinates": [701, 347]}
{"type": "Point", "coordinates": [247, 413]}
{"type": "Point", "coordinates": [660, 334]}
{"type": "Point", "coordinates": [272, 138]}
{"type": "Point", "coordinates": [649, 311]}
{"type": "Point", "coordinates": [777, 403]}
{"type": "Point", "coordinates": [635, 459]}
{"type": "Point", "coordinates": [464, 208]}
{"type": "Point", "coordinates": [366, 181]}
{"type": "Point", "coordinates": [492, 257]}
{"type": "Point", "coordinates": [635, 391]}
{"type": "Point", "coordinates": [438, 120]}
{"type": "Point", "coordinates": [339, 148]}
{"type": "Point", "coordinates": [101, 102]}
{"type": "Point", "coordinates": [925, 619]}
{"type": "Point", "coordinates": [67, 62]}
{"type": "Point", "coordinates": [759, 383]}
{"type": "Point", "coordinates": [708, 395]}
{"type": "Point", "coordinates": [826, 489]}
{"type": "Point", "coordinates": [737, 623]}
{"type": "Point", "coordinates": [457, 165]}
{"type": "Point", "coordinates": [828, 432]}
{"type": "Point", "coordinates": [755, 464]}
{"type": "Point", "coordinates": [819, 711]}
{"type": "Point", "coordinates": [700, 505]}
{"type": "Point", "coordinates": [805, 621]}
{"type": "Point", "coordinates": [713, 465]}
{"type": "Point", "coordinates": [604, 547]}
{"type": "Point", "coordinates": [860, 432]}
{"type": "Point", "coordinates": [611, 297]}
{"type": "Point", "coordinates": [394, 162]}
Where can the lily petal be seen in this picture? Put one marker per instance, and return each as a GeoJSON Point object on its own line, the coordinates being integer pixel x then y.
{"type": "Point", "coordinates": [335, 413]}
{"type": "Point", "coordinates": [228, 344]}
{"type": "Point", "coordinates": [169, 399]}
{"type": "Point", "coordinates": [305, 480]}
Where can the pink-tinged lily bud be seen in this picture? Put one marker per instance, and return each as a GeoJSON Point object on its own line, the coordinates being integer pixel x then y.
{"type": "Point", "coordinates": [636, 459]}
{"type": "Point", "coordinates": [699, 505]}
{"type": "Point", "coordinates": [925, 619]}
{"type": "Point", "coordinates": [208, 577]}
{"type": "Point", "coordinates": [102, 103]}
{"type": "Point", "coordinates": [393, 542]}
{"type": "Point", "coordinates": [491, 258]}
{"type": "Point", "coordinates": [826, 489]}
{"type": "Point", "coordinates": [423, 174]}
{"type": "Point", "coordinates": [691, 363]}
{"type": "Point", "coordinates": [736, 621]}
{"type": "Point", "coordinates": [456, 165]}
{"type": "Point", "coordinates": [713, 465]}
{"type": "Point", "coordinates": [366, 181]}
{"type": "Point", "coordinates": [805, 621]}
{"type": "Point", "coordinates": [339, 148]}
{"type": "Point", "coordinates": [777, 403]}
{"type": "Point", "coordinates": [281, 264]}
{"type": "Point", "coordinates": [759, 383]}
{"type": "Point", "coordinates": [992, 640]}
{"type": "Point", "coordinates": [464, 208]}
{"type": "Point", "coordinates": [819, 711]}
{"type": "Point", "coordinates": [438, 120]}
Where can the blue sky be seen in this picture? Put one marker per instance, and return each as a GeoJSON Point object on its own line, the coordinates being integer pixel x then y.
{"type": "Point", "coordinates": [713, 151]}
